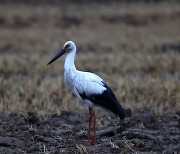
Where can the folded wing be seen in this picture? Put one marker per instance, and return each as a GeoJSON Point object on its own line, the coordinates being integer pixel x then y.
{"type": "Point", "coordinates": [94, 89]}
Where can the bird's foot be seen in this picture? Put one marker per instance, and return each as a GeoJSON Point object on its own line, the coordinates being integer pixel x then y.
{"type": "Point", "coordinates": [89, 143]}
{"type": "Point", "coordinates": [94, 142]}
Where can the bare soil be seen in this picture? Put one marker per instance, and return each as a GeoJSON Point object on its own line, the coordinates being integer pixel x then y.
{"type": "Point", "coordinates": [67, 133]}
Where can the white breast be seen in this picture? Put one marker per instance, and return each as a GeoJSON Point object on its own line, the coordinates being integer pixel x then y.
{"type": "Point", "coordinates": [69, 76]}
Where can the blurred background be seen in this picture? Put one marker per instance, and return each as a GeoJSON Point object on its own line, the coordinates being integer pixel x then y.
{"type": "Point", "coordinates": [133, 45]}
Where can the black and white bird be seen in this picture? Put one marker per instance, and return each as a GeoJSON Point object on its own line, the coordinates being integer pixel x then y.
{"type": "Point", "coordinates": [88, 87]}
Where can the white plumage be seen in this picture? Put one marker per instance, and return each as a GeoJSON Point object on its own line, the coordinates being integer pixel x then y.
{"type": "Point", "coordinates": [89, 84]}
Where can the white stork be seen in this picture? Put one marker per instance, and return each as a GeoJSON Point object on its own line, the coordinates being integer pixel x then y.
{"type": "Point", "coordinates": [88, 87]}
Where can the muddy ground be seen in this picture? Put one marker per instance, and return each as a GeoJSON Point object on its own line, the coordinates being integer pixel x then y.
{"type": "Point", "coordinates": [67, 133]}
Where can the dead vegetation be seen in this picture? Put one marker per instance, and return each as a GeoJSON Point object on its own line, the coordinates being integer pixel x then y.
{"type": "Point", "coordinates": [140, 61]}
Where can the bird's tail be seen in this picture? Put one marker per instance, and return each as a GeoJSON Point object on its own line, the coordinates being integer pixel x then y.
{"type": "Point", "coordinates": [120, 110]}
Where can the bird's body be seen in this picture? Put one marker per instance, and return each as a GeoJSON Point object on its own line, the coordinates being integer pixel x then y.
{"type": "Point", "coordinates": [88, 87]}
{"type": "Point", "coordinates": [83, 83]}
{"type": "Point", "coordinates": [92, 90]}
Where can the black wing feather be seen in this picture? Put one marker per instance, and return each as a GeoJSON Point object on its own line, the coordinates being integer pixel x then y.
{"type": "Point", "coordinates": [107, 100]}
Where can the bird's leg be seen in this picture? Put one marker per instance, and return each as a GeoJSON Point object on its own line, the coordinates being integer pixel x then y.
{"type": "Point", "coordinates": [89, 130]}
{"type": "Point", "coordinates": [94, 127]}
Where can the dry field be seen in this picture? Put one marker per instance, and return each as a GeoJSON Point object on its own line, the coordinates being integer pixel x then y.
{"type": "Point", "coordinates": [134, 47]}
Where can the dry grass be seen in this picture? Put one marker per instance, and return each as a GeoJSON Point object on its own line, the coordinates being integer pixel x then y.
{"type": "Point", "coordinates": [135, 48]}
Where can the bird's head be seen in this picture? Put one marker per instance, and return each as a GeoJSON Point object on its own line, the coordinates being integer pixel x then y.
{"type": "Point", "coordinates": [67, 48]}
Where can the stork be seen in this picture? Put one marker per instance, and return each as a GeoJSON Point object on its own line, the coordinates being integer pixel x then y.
{"type": "Point", "coordinates": [88, 87]}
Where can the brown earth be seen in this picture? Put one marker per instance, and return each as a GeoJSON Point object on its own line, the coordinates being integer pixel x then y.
{"type": "Point", "coordinates": [134, 47]}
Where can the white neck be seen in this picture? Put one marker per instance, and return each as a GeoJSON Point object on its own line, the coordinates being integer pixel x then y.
{"type": "Point", "coordinates": [69, 60]}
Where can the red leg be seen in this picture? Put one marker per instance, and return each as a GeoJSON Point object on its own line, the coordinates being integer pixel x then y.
{"type": "Point", "coordinates": [94, 128]}
{"type": "Point", "coordinates": [89, 130]}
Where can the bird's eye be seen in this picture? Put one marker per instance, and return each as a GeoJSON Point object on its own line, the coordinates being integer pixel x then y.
{"type": "Point", "coordinates": [67, 48]}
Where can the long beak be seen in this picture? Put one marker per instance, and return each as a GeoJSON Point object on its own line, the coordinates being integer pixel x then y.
{"type": "Point", "coordinates": [59, 54]}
